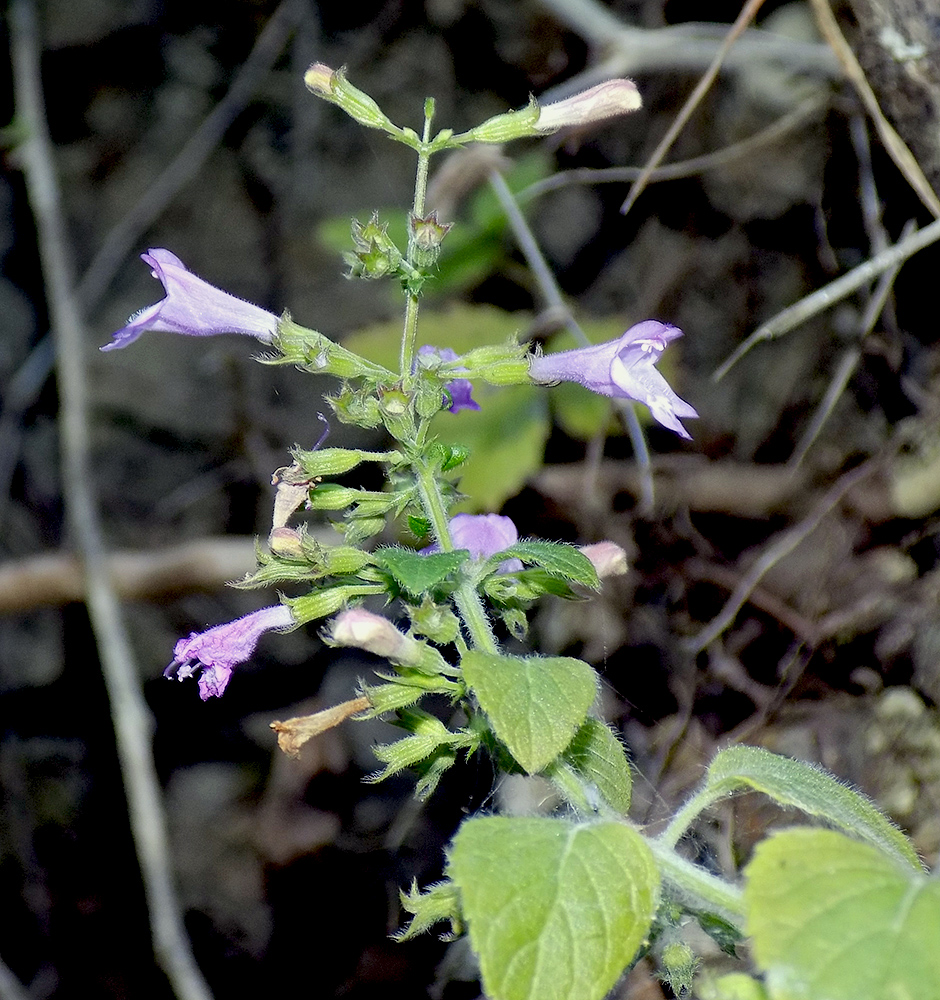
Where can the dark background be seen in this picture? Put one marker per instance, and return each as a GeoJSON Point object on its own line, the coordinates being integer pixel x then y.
{"type": "Point", "coordinates": [289, 871]}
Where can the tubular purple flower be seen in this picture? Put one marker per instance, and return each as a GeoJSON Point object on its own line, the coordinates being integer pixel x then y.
{"type": "Point", "coordinates": [219, 649]}
{"type": "Point", "coordinates": [193, 307]}
{"type": "Point", "coordinates": [623, 369]}
{"type": "Point", "coordinates": [484, 535]}
{"type": "Point", "coordinates": [460, 390]}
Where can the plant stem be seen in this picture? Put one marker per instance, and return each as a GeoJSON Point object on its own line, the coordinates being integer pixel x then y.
{"type": "Point", "coordinates": [683, 819]}
{"type": "Point", "coordinates": [697, 887]}
{"type": "Point", "coordinates": [410, 332]}
{"type": "Point", "coordinates": [466, 597]}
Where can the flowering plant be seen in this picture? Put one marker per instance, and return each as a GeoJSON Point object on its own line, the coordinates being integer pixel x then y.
{"type": "Point", "coordinates": [556, 905]}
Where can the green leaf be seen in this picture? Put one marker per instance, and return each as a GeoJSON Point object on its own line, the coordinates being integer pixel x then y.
{"type": "Point", "coordinates": [562, 560]}
{"type": "Point", "coordinates": [525, 586]}
{"type": "Point", "coordinates": [555, 911]}
{"type": "Point", "coordinates": [598, 757]}
{"type": "Point", "coordinates": [725, 935]}
{"type": "Point", "coordinates": [834, 918]}
{"type": "Point", "coordinates": [420, 527]}
{"type": "Point", "coordinates": [733, 986]}
{"type": "Point", "coordinates": [812, 790]}
{"type": "Point", "coordinates": [535, 704]}
{"type": "Point", "coordinates": [416, 573]}
{"type": "Point", "coordinates": [449, 456]}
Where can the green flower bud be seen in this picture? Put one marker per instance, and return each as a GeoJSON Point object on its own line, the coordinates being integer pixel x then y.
{"type": "Point", "coordinates": [336, 461]}
{"type": "Point", "coordinates": [390, 698]}
{"type": "Point", "coordinates": [428, 234]}
{"type": "Point", "coordinates": [333, 86]}
{"type": "Point", "coordinates": [356, 406]}
{"type": "Point", "coordinates": [332, 496]}
{"type": "Point", "coordinates": [499, 364]}
{"type": "Point", "coordinates": [506, 127]}
{"type": "Point", "coordinates": [375, 255]}
{"type": "Point", "coordinates": [335, 560]}
{"type": "Point", "coordinates": [606, 100]}
{"type": "Point", "coordinates": [679, 963]}
{"type": "Point", "coordinates": [313, 352]}
{"type": "Point", "coordinates": [361, 528]}
{"type": "Point", "coordinates": [397, 409]}
{"type": "Point", "coordinates": [436, 621]}
{"type": "Point", "coordinates": [321, 603]}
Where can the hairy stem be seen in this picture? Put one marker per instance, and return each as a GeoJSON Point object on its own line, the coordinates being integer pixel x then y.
{"type": "Point", "coordinates": [468, 601]}
{"type": "Point", "coordinates": [698, 888]}
{"type": "Point", "coordinates": [410, 332]}
{"type": "Point", "coordinates": [689, 812]}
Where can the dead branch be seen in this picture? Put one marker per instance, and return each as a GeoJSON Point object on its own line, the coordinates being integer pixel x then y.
{"type": "Point", "coordinates": [56, 578]}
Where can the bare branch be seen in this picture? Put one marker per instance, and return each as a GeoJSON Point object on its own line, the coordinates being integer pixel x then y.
{"type": "Point", "coordinates": [132, 721]}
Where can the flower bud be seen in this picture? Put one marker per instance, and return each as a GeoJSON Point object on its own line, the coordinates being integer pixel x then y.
{"type": "Point", "coordinates": [286, 542]}
{"type": "Point", "coordinates": [503, 128]}
{"type": "Point", "coordinates": [336, 461]}
{"type": "Point", "coordinates": [375, 634]}
{"type": "Point", "coordinates": [436, 621]}
{"type": "Point", "coordinates": [320, 603]}
{"type": "Point", "coordinates": [311, 351]}
{"type": "Point", "coordinates": [608, 558]}
{"type": "Point", "coordinates": [319, 80]}
{"type": "Point", "coordinates": [397, 409]}
{"type": "Point", "coordinates": [428, 235]}
{"type": "Point", "coordinates": [333, 86]}
{"type": "Point", "coordinates": [357, 407]}
{"type": "Point", "coordinates": [607, 100]}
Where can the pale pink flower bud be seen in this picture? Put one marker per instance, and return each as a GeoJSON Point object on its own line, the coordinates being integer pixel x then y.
{"type": "Point", "coordinates": [375, 634]}
{"type": "Point", "coordinates": [607, 100]}
{"type": "Point", "coordinates": [608, 558]}
{"type": "Point", "coordinates": [319, 79]}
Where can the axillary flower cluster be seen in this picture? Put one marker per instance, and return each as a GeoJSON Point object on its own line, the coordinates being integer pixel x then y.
{"type": "Point", "coordinates": [449, 604]}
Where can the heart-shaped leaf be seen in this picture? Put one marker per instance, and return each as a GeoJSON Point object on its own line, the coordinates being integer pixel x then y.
{"type": "Point", "coordinates": [836, 918]}
{"type": "Point", "coordinates": [555, 911]}
{"type": "Point", "coordinates": [535, 703]}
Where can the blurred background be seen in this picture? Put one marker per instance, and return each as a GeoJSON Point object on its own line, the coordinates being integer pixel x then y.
{"type": "Point", "coordinates": [810, 490]}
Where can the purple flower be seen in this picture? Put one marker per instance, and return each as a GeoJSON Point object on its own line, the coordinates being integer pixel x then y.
{"type": "Point", "coordinates": [219, 649]}
{"type": "Point", "coordinates": [622, 368]}
{"type": "Point", "coordinates": [460, 389]}
{"type": "Point", "coordinates": [193, 306]}
{"type": "Point", "coordinates": [484, 535]}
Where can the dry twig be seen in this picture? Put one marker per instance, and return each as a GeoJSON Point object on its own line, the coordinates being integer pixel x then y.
{"type": "Point", "coordinates": [10, 987]}
{"type": "Point", "coordinates": [56, 578]}
{"type": "Point", "coordinates": [625, 50]}
{"type": "Point", "coordinates": [701, 89]}
{"type": "Point", "coordinates": [894, 144]}
{"type": "Point", "coordinates": [132, 721]}
{"type": "Point", "coordinates": [782, 545]}
{"type": "Point", "coordinates": [827, 296]}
